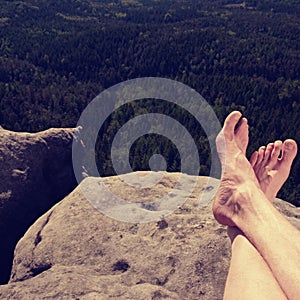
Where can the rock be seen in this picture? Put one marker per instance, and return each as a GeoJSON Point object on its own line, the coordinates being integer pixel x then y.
{"type": "Point", "coordinates": [79, 282]}
{"type": "Point", "coordinates": [36, 172]}
{"type": "Point", "coordinates": [75, 251]}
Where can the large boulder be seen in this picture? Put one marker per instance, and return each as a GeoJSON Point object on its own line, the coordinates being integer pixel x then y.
{"type": "Point", "coordinates": [75, 251]}
{"type": "Point", "coordinates": [35, 173]}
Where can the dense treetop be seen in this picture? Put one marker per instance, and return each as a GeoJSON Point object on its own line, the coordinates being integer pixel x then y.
{"type": "Point", "coordinates": [56, 56]}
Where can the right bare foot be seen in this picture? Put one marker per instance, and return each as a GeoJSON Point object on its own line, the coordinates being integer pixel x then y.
{"type": "Point", "coordinates": [271, 169]}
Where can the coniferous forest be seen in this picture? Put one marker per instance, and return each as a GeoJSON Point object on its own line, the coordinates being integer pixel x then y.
{"type": "Point", "coordinates": [56, 56]}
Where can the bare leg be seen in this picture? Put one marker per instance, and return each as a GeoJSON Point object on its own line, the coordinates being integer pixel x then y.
{"type": "Point", "coordinates": [241, 202]}
{"type": "Point", "coordinates": [249, 276]}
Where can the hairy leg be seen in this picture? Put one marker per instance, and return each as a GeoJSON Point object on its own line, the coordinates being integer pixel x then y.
{"type": "Point", "coordinates": [241, 202]}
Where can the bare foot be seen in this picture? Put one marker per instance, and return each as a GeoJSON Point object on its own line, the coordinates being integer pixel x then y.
{"type": "Point", "coordinates": [238, 177]}
{"type": "Point", "coordinates": [271, 168]}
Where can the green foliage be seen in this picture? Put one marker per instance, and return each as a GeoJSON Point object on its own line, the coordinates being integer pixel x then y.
{"type": "Point", "coordinates": [56, 56]}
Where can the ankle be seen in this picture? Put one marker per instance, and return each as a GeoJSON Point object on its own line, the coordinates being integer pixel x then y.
{"type": "Point", "coordinates": [249, 202]}
{"type": "Point", "coordinates": [254, 214]}
{"type": "Point", "coordinates": [233, 232]}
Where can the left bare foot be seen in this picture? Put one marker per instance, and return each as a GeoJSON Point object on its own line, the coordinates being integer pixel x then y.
{"type": "Point", "coordinates": [238, 178]}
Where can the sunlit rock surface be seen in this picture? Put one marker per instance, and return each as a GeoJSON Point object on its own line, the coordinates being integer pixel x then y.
{"type": "Point", "coordinates": [75, 251]}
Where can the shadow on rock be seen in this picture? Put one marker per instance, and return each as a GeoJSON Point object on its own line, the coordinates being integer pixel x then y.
{"type": "Point", "coordinates": [35, 173]}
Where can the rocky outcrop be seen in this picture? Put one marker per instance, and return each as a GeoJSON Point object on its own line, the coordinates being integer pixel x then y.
{"type": "Point", "coordinates": [74, 251]}
{"type": "Point", "coordinates": [35, 173]}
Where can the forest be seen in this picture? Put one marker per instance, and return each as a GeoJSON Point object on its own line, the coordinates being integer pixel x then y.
{"type": "Point", "coordinates": [56, 56]}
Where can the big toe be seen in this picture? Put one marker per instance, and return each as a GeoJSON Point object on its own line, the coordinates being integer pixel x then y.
{"type": "Point", "coordinates": [289, 152]}
{"type": "Point", "coordinates": [230, 123]}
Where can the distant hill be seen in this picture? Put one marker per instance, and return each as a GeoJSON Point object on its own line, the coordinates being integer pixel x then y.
{"type": "Point", "coordinates": [55, 57]}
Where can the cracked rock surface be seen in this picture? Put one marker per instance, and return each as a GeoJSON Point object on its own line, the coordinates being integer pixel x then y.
{"type": "Point", "coordinates": [74, 251]}
{"type": "Point", "coordinates": [35, 173]}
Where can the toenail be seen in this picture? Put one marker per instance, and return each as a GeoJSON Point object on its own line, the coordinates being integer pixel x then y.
{"type": "Point", "coordinates": [289, 146]}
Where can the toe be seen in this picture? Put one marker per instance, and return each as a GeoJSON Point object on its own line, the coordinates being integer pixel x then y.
{"type": "Point", "coordinates": [268, 152]}
{"type": "Point", "coordinates": [289, 151]}
{"type": "Point", "coordinates": [230, 123]}
{"type": "Point", "coordinates": [253, 158]}
{"type": "Point", "coordinates": [275, 154]}
{"type": "Point", "coordinates": [242, 136]}
{"type": "Point", "coordinates": [261, 154]}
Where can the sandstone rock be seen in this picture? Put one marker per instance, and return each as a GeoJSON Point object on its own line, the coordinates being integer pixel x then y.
{"type": "Point", "coordinates": [76, 252]}
{"type": "Point", "coordinates": [35, 173]}
{"type": "Point", "coordinates": [79, 282]}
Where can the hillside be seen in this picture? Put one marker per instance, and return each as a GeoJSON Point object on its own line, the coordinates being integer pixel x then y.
{"type": "Point", "coordinates": [55, 57]}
